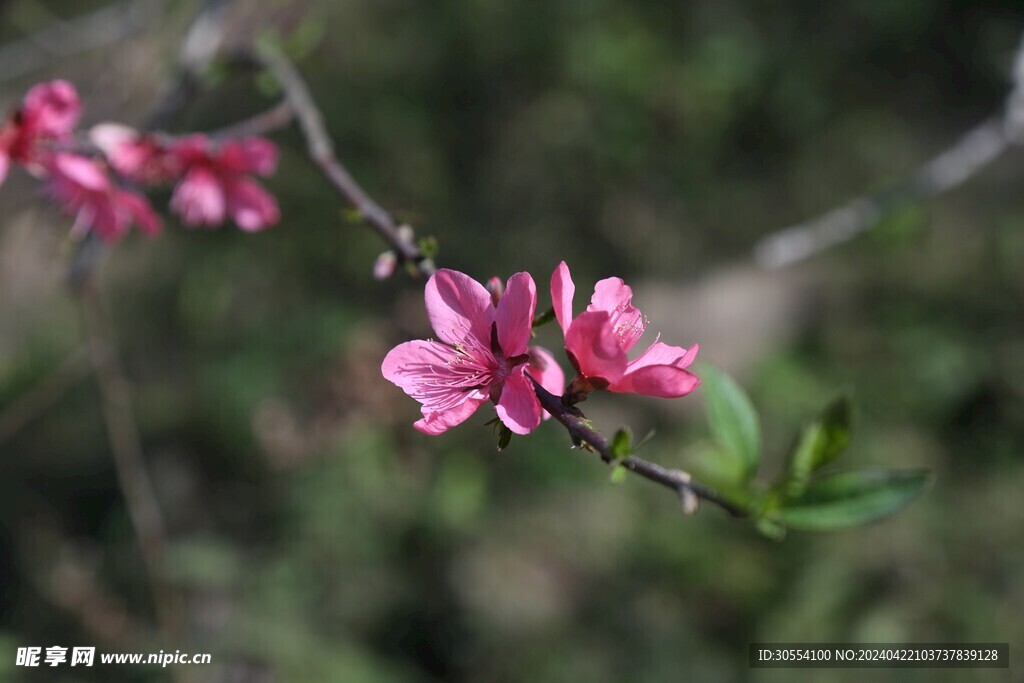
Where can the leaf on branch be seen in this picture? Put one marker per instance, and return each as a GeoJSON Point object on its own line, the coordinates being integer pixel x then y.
{"type": "Point", "coordinates": [622, 443]}
{"type": "Point", "coordinates": [821, 442]}
{"type": "Point", "coordinates": [848, 499]}
{"type": "Point", "coordinates": [504, 437]}
{"type": "Point", "coordinates": [732, 418]}
{"type": "Point", "coordinates": [618, 474]}
{"type": "Point", "coordinates": [429, 246]}
{"type": "Point", "coordinates": [544, 318]}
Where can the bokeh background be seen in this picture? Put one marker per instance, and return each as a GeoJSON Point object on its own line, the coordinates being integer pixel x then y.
{"type": "Point", "coordinates": [317, 537]}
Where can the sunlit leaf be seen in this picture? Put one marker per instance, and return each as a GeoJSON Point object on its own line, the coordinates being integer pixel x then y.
{"type": "Point", "coordinates": [848, 499]}
{"type": "Point", "coordinates": [732, 418]}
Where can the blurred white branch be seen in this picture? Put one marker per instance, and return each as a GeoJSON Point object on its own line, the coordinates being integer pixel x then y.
{"type": "Point", "coordinates": [105, 26]}
{"type": "Point", "coordinates": [973, 151]}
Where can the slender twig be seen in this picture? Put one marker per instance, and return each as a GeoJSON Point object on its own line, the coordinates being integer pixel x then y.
{"type": "Point", "coordinates": [677, 480]}
{"type": "Point", "coordinates": [37, 400]}
{"type": "Point", "coordinates": [277, 117]}
{"type": "Point", "coordinates": [126, 447]}
{"type": "Point", "coordinates": [321, 151]}
{"type": "Point", "coordinates": [973, 151]}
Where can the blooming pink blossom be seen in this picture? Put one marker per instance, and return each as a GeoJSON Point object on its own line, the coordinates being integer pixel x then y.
{"type": "Point", "coordinates": [138, 157]}
{"type": "Point", "coordinates": [82, 186]}
{"type": "Point", "coordinates": [598, 340]}
{"type": "Point", "coordinates": [49, 112]}
{"type": "Point", "coordinates": [216, 182]}
{"type": "Point", "coordinates": [482, 355]}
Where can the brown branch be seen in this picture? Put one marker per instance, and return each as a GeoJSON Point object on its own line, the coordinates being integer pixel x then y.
{"type": "Point", "coordinates": [972, 151]}
{"type": "Point", "coordinates": [688, 490]}
{"type": "Point", "coordinates": [277, 117]}
{"type": "Point", "coordinates": [320, 148]}
{"type": "Point", "coordinates": [129, 465]}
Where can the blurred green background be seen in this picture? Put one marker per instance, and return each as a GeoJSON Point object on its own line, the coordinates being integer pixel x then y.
{"type": "Point", "coordinates": [317, 537]}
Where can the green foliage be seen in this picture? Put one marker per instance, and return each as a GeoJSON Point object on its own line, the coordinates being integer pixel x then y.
{"type": "Point", "coordinates": [821, 442]}
{"type": "Point", "coordinates": [801, 498]}
{"type": "Point", "coordinates": [732, 419]}
{"type": "Point", "coordinates": [622, 443]}
{"type": "Point", "coordinates": [848, 499]}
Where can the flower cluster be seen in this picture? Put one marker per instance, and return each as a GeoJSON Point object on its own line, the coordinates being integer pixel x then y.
{"type": "Point", "coordinates": [212, 180]}
{"type": "Point", "coordinates": [483, 353]}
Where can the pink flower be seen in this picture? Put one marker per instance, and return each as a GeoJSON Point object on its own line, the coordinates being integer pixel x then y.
{"type": "Point", "coordinates": [484, 355]}
{"type": "Point", "coordinates": [49, 112]}
{"type": "Point", "coordinates": [216, 183]}
{"type": "Point", "coordinates": [137, 157]}
{"type": "Point", "coordinates": [83, 188]}
{"type": "Point", "coordinates": [598, 340]}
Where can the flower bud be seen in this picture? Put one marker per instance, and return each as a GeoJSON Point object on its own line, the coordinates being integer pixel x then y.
{"type": "Point", "coordinates": [385, 265]}
{"type": "Point", "coordinates": [496, 287]}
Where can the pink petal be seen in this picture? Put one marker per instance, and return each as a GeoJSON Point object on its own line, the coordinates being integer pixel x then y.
{"type": "Point", "coordinates": [422, 370]}
{"type": "Point", "coordinates": [5, 165]}
{"type": "Point", "coordinates": [80, 171]}
{"type": "Point", "coordinates": [199, 198]}
{"type": "Point", "coordinates": [661, 381]}
{"type": "Point", "coordinates": [518, 408]}
{"type": "Point", "coordinates": [614, 296]}
{"type": "Point", "coordinates": [514, 315]}
{"type": "Point", "coordinates": [52, 108]}
{"type": "Point", "coordinates": [545, 369]}
{"type": "Point", "coordinates": [562, 290]}
{"type": "Point", "coordinates": [592, 344]}
{"type": "Point", "coordinates": [140, 211]}
{"type": "Point", "coordinates": [249, 205]}
{"type": "Point", "coordinates": [437, 423]}
{"type": "Point", "coordinates": [663, 354]}
{"type": "Point", "coordinates": [459, 308]}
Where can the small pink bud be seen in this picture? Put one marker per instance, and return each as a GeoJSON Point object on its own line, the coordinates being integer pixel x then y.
{"type": "Point", "coordinates": [496, 287]}
{"type": "Point", "coordinates": [385, 265]}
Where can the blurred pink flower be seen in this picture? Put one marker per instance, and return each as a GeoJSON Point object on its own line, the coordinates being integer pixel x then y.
{"type": "Point", "coordinates": [598, 340]}
{"type": "Point", "coordinates": [216, 182]}
{"type": "Point", "coordinates": [49, 112]}
{"type": "Point", "coordinates": [83, 188]}
{"type": "Point", "coordinates": [484, 355]}
{"type": "Point", "coordinates": [138, 157]}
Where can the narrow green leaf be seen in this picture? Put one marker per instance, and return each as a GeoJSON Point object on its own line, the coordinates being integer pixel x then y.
{"type": "Point", "coordinates": [770, 528]}
{"type": "Point", "coordinates": [622, 443]}
{"type": "Point", "coordinates": [618, 475]}
{"type": "Point", "coordinates": [847, 499]}
{"type": "Point", "coordinates": [504, 438]}
{"type": "Point", "coordinates": [429, 246]}
{"type": "Point", "coordinates": [732, 418]}
{"type": "Point", "coordinates": [544, 318]}
{"type": "Point", "coordinates": [821, 442]}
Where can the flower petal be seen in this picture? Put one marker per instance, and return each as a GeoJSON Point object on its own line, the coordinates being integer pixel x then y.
{"type": "Point", "coordinates": [436, 423]}
{"type": "Point", "coordinates": [615, 297]}
{"type": "Point", "coordinates": [562, 290]}
{"type": "Point", "coordinates": [518, 408]}
{"type": "Point", "coordinates": [593, 346]}
{"type": "Point", "coordinates": [545, 369]}
{"type": "Point", "coordinates": [661, 381]}
{"type": "Point", "coordinates": [459, 308]}
{"type": "Point", "coordinates": [199, 198]}
{"type": "Point", "coordinates": [250, 206]}
{"type": "Point", "coordinates": [5, 164]}
{"type": "Point", "coordinates": [663, 354]}
{"type": "Point", "coordinates": [514, 315]}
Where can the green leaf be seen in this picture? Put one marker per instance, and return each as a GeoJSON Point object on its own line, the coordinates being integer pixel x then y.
{"type": "Point", "coordinates": [732, 418]}
{"type": "Point", "coordinates": [618, 475]}
{"type": "Point", "coordinates": [847, 499]}
{"type": "Point", "coordinates": [429, 246]}
{"type": "Point", "coordinates": [544, 318]}
{"type": "Point", "coordinates": [504, 437]}
{"type": "Point", "coordinates": [770, 528]}
{"type": "Point", "coordinates": [622, 443]}
{"type": "Point", "coordinates": [820, 443]}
